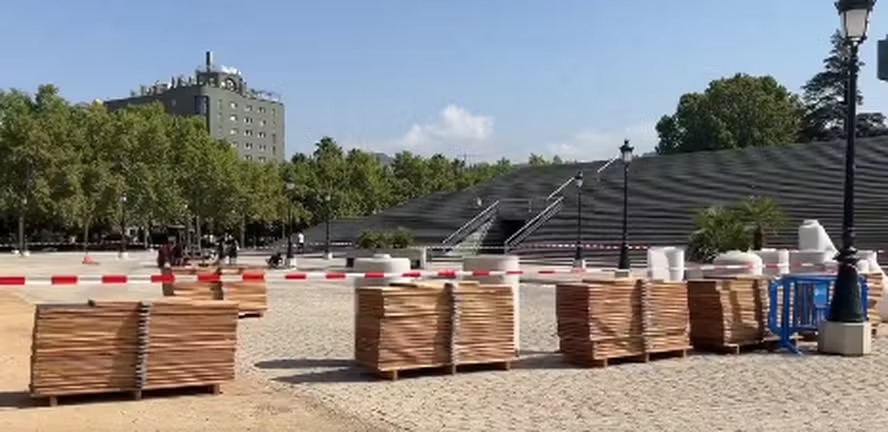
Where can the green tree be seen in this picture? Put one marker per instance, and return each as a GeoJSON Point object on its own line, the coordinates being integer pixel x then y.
{"type": "Point", "coordinates": [762, 217]}
{"type": "Point", "coordinates": [93, 140]}
{"type": "Point", "coordinates": [736, 112]}
{"type": "Point", "coordinates": [824, 99]}
{"type": "Point", "coordinates": [717, 230]}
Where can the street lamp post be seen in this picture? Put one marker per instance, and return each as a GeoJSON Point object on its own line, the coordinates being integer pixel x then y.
{"type": "Point", "coordinates": [122, 252]}
{"type": "Point", "coordinates": [579, 260]}
{"type": "Point", "coordinates": [846, 305]}
{"type": "Point", "coordinates": [626, 154]}
{"type": "Point", "coordinates": [327, 199]}
{"type": "Point", "coordinates": [290, 186]}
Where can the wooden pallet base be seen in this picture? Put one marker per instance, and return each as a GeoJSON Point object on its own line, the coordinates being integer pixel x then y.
{"type": "Point", "coordinates": [768, 344]}
{"type": "Point", "coordinates": [640, 358]}
{"type": "Point", "coordinates": [53, 400]}
{"type": "Point", "coordinates": [393, 375]}
{"type": "Point", "coordinates": [251, 314]}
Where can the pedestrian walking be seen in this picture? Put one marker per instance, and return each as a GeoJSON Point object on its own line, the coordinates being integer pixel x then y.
{"type": "Point", "coordinates": [300, 243]}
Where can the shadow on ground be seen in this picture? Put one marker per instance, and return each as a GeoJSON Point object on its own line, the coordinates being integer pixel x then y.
{"type": "Point", "coordinates": [16, 399]}
{"type": "Point", "coordinates": [304, 363]}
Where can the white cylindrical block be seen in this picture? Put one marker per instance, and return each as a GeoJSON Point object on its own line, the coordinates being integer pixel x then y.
{"type": "Point", "coordinates": [378, 264]}
{"type": "Point", "coordinates": [775, 261]}
{"type": "Point", "coordinates": [812, 236]}
{"type": "Point", "coordinates": [657, 264]}
{"type": "Point", "coordinates": [499, 263]}
{"type": "Point", "coordinates": [737, 263]}
{"type": "Point", "coordinates": [675, 259]}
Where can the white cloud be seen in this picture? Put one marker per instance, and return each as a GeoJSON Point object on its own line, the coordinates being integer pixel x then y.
{"type": "Point", "coordinates": [596, 144]}
{"type": "Point", "coordinates": [456, 130]}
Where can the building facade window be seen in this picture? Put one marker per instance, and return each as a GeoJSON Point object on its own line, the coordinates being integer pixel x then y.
{"type": "Point", "coordinates": [274, 150]}
{"type": "Point", "coordinates": [248, 146]}
{"type": "Point", "coordinates": [261, 134]}
{"type": "Point", "coordinates": [262, 109]}
{"type": "Point", "coordinates": [233, 105]}
{"type": "Point", "coordinates": [248, 157]}
{"type": "Point", "coordinates": [261, 158]}
{"type": "Point", "coordinates": [248, 132]}
{"type": "Point", "coordinates": [248, 108]}
{"type": "Point", "coordinates": [201, 105]}
{"type": "Point", "coordinates": [232, 117]}
{"type": "Point", "coordinates": [232, 131]}
{"type": "Point", "coordinates": [274, 138]}
{"type": "Point", "coordinates": [234, 144]}
{"type": "Point", "coordinates": [261, 122]}
{"type": "Point", "coordinates": [248, 120]}
{"type": "Point", "coordinates": [262, 147]}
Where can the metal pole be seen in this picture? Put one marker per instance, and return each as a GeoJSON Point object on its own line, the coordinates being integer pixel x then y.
{"type": "Point", "coordinates": [846, 305]}
{"type": "Point", "coordinates": [122, 229]}
{"type": "Point", "coordinates": [578, 255]}
{"type": "Point", "coordinates": [624, 246]}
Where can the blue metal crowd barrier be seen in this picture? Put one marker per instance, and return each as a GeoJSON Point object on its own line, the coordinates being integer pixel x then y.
{"type": "Point", "coordinates": [807, 305]}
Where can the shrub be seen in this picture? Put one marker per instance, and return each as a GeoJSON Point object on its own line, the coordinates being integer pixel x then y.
{"type": "Point", "coordinates": [372, 240]}
{"type": "Point", "coordinates": [401, 238]}
{"type": "Point", "coordinates": [720, 229]}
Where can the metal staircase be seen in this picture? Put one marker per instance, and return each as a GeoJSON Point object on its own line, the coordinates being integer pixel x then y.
{"type": "Point", "coordinates": [541, 218]}
{"type": "Point", "coordinates": [482, 220]}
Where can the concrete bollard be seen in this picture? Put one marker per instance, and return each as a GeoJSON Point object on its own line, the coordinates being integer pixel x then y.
{"type": "Point", "coordinates": [776, 261]}
{"type": "Point", "coordinates": [741, 263]}
{"type": "Point", "coordinates": [499, 263]}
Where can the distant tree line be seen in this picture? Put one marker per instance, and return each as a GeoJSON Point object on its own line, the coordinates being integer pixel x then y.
{"type": "Point", "coordinates": [82, 171]}
{"type": "Point", "coordinates": [749, 111]}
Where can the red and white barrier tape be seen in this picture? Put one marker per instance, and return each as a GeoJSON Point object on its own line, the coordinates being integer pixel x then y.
{"type": "Point", "coordinates": [121, 279]}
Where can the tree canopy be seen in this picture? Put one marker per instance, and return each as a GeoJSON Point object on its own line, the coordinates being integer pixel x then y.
{"type": "Point", "coordinates": [747, 111]}
{"type": "Point", "coordinates": [72, 168]}
{"type": "Point", "coordinates": [736, 112]}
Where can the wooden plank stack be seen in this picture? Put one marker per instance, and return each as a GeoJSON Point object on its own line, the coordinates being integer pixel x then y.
{"type": "Point", "coordinates": [84, 348]}
{"type": "Point", "coordinates": [190, 343]}
{"type": "Point", "coordinates": [414, 326]}
{"type": "Point", "coordinates": [103, 347]}
{"type": "Point", "coordinates": [192, 289]}
{"type": "Point", "coordinates": [599, 320]}
{"type": "Point", "coordinates": [251, 295]}
{"type": "Point", "coordinates": [728, 312]}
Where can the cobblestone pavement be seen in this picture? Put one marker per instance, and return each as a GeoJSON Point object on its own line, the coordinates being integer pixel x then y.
{"type": "Point", "coordinates": [305, 344]}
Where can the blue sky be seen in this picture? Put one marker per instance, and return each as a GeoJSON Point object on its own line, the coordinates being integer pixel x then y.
{"type": "Point", "coordinates": [483, 77]}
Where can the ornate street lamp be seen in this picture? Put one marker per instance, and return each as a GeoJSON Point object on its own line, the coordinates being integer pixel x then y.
{"type": "Point", "coordinates": [327, 199]}
{"type": "Point", "coordinates": [579, 260]}
{"type": "Point", "coordinates": [122, 252]}
{"type": "Point", "coordinates": [626, 154]}
{"type": "Point", "coordinates": [846, 305]}
{"type": "Point", "coordinates": [290, 186]}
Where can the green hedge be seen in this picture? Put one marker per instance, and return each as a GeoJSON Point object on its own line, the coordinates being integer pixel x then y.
{"type": "Point", "coordinates": [398, 239]}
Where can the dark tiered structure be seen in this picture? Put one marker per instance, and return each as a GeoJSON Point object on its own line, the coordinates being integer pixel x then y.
{"type": "Point", "coordinates": [538, 205]}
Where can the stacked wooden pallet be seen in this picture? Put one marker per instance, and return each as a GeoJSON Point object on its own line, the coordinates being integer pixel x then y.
{"type": "Point", "coordinates": [129, 346]}
{"type": "Point", "coordinates": [728, 313]}
{"type": "Point", "coordinates": [600, 320]}
{"type": "Point", "coordinates": [875, 285]}
{"type": "Point", "coordinates": [192, 289]}
{"type": "Point", "coordinates": [251, 295]}
{"type": "Point", "coordinates": [413, 326]}
{"type": "Point", "coordinates": [190, 343]}
{"type": "Point", "coordinates": [84, 348]}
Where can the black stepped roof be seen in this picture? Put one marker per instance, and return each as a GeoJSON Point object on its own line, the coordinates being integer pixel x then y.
{"type": "Point", "coordinates": [806, 180]}
{"type": "Point", "coordinates": [434, 217]}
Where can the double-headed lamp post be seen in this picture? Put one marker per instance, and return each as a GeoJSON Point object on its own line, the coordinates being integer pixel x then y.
{"type": "Point", "coordinates": [846, 305]}
{"type": "Point", "coordinates": [327, 199]}
{"type": "Point", "coordinates": [579, 260]}
{"type": "Point", "coordinates": [122, 252]}
{"type": "Point", "coordinates": [288, 229]}
{"type": "Point", "coordinates": [626, 155]}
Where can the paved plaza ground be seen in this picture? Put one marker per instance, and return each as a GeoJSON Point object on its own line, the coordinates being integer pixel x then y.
{"type": "Point", "coordinates": [301, 352]}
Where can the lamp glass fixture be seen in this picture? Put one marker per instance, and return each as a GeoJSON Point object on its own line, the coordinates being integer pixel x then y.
{"type": "Point", "coordinates": [854, 16]}
{"type": "Point", "coordinates": [626, 152]}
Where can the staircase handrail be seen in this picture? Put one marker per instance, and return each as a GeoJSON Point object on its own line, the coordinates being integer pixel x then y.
{"type": "Point", "coordinates": [571, 179]}
{"type": "Point", "coordinates": [534, 223]}
{"type": "Point", "coordinates": [470, 224]}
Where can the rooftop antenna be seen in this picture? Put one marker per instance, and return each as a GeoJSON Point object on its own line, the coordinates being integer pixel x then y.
{"type": "Point", "coordinates": [208, 59]}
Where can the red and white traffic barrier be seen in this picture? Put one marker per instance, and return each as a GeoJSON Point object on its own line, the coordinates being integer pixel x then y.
{"type": "Point", "coordinates": [122, 279]}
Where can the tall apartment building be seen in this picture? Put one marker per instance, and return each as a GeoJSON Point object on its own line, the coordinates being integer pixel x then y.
{"type": "Point", "coordinates": [251, 120]}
